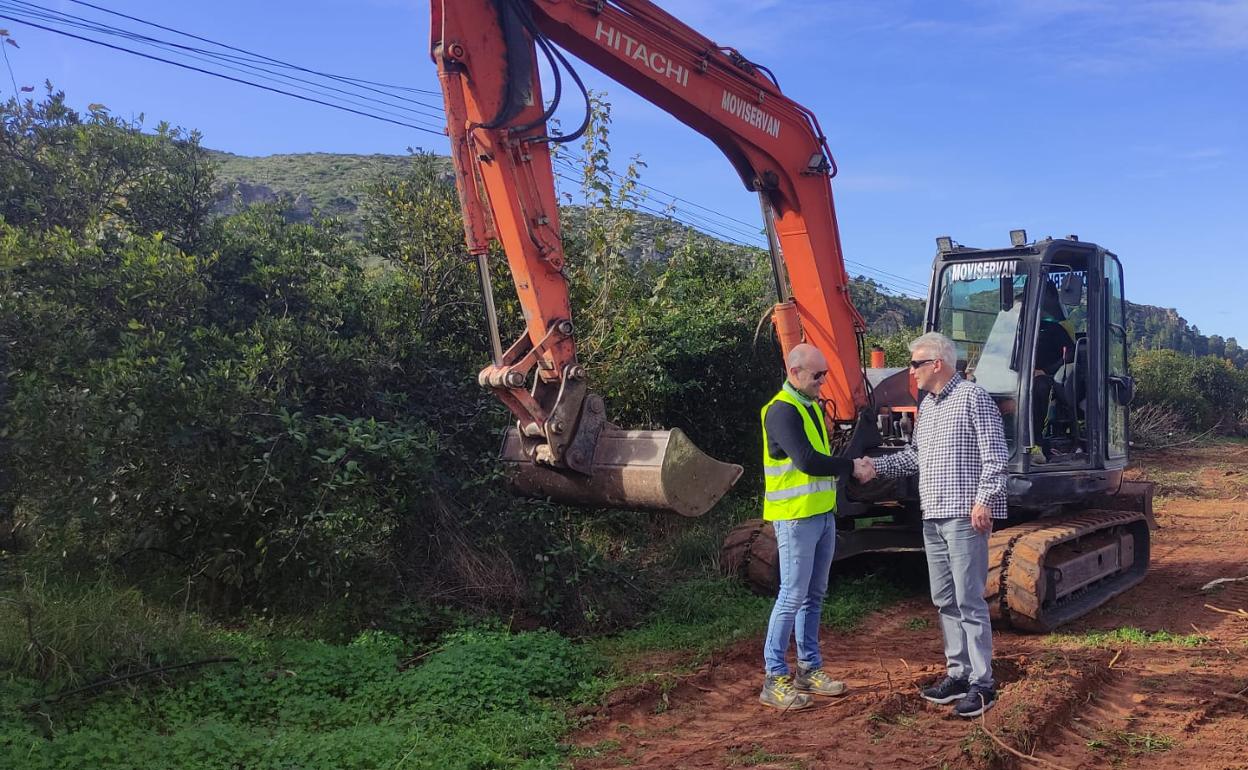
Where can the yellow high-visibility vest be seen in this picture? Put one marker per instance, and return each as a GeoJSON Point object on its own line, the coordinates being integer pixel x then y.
{"type": "Point", "coordinates": [790, 493]}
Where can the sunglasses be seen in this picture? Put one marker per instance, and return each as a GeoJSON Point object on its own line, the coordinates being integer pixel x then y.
{"type": "Point", "coordinates": [819, 375]}
{"type": "Point", "coordinates": [921, 362]}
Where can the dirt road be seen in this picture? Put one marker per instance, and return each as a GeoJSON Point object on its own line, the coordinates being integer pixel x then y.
{"type": "Point", "coordinates": [1177, 701]}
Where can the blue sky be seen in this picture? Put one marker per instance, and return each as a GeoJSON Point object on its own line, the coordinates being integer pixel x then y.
{"type": "Point", "coordinates": [1123, 121]}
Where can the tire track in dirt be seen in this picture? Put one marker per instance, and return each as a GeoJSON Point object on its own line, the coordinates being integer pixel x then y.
{"type": "Point", "coordinates": [1109, 710]}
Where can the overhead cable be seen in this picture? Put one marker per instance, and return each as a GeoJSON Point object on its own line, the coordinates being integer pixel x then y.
{"type": "Point", "coordinates": [23, 10]}
{"type": "Point", "coordinates": [223, 76]}
{"type": "Point", "coordinates": [258, 66]}
{"type": "Point", "coordinates": [250, 53]}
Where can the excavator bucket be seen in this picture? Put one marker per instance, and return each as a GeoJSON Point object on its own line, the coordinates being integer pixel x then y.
{"type": "Point", "coordinates": [656, 470]}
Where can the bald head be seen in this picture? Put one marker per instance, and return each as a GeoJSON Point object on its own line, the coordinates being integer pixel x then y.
{"type": "Point", "coordinates": [807, 368]}
{"type": "Point", "coordinates": [804, 355]}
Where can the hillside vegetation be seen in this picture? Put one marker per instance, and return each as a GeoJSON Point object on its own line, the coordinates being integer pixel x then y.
{"type": "Point", "coordinates": [324, 183]}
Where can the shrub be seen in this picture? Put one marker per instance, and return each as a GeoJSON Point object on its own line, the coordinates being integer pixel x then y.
{"type": "Point", "coordinates": [1202, 392]}
{"type": "Point", "coordinates": [1155, 425]}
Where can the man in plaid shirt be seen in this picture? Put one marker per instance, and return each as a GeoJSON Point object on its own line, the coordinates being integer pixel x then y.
{"type": "Point", "coordinates": [958, 449]}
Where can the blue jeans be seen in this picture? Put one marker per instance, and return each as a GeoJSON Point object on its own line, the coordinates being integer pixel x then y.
{"type": "Point", "coordinates": [806, 548]}
{"type": "Point", "coordinates": [957, 565]}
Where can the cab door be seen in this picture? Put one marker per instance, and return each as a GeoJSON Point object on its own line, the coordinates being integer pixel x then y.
{"type": "Point", "coordinates": [1118, 383]}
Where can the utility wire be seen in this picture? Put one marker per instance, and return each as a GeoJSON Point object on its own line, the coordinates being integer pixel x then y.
{"type": "Point", "coordinates": [210, 57]}
{"type": "Point", "coordinates": [753, 239]}
{"type": "Point", "coordinates": [223, 76]}
{"type": "Point", "coordinates": [668, 214]}
{"type": "Point", "coordinates": [250, 53]}
{"type": "Point", "coordinates": [750, 232]}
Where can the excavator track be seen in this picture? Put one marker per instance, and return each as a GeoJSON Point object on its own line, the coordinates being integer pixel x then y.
{"type": "Point", "coordinates": [1048, 572]}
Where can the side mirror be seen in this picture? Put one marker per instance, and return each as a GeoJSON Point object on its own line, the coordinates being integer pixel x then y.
{"type": "Point", "coordinates": [1122, 389]}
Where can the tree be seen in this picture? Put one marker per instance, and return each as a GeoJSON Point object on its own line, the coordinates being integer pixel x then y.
{"type": "Point", "coordinates": [100, 173]}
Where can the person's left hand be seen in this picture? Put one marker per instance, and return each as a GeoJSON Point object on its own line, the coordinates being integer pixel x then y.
{"type": "Point", "coordinates": [981, 518]}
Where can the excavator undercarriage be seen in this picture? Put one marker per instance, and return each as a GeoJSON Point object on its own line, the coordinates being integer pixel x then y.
{"type": "Point", "coordinates": [1042, 573]}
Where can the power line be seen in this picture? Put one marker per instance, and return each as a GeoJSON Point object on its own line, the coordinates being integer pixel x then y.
{"type": "Point", "coordinates": [224, 60]}
{"type": "Point", "coordinates": [222, 76]}
{"type": "Point", "coordinates": [895, 282]}
{"type": "Point", "coordinates": [890, 281]}
{"type": "Point", "coordinates": [754, 236]}
{"type": "Point", "coordinates": [249, 53]}
{"type": "Point", "coordinates": [717, 224]}
{"type": "Point", "coordinates": [670, 216]}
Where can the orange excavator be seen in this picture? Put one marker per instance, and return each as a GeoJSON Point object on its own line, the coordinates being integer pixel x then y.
{"type": "Point", "coordinates": [1078, 533]}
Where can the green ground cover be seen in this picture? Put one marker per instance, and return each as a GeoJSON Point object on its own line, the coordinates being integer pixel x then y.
{"type": "Point", "coordinates": [480, 697]}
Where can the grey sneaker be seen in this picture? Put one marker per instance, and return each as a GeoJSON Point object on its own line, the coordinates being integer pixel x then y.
{"type": "Point", "coordinates": [816, 682]}
{"type": "Point", "coordinates": [778, 692]}
{"type": "Point", "coordinates": [946, 690]}
{"type": "Point", "coordinates": [976, 702]}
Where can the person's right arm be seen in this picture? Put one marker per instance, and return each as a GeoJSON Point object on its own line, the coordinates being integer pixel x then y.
{"type": "Point", "coordinates": [903, 463]}
{"type": "Point", "coordinates": [784, 427]}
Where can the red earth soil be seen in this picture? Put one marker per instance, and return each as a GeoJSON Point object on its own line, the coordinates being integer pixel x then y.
{"type": "Point", "coordinates": [1064, 703]}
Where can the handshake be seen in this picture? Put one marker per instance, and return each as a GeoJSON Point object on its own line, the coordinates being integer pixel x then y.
{"type": "Point", "coordinates": [864, 470]}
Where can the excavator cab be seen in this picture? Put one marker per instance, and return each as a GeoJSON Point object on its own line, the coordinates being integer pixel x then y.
{"type": "Point", "coordinates": [1041, 326]}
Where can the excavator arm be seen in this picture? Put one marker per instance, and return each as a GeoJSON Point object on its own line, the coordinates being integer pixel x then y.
{"type": "Point", "coordinates": [487, 52]}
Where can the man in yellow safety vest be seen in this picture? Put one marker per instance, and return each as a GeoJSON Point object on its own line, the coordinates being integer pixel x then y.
{"type": "Point", "coordinates": [800, 502]}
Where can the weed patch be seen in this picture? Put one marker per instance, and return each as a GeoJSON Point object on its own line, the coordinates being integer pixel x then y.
{"type": "Point", "coordinates": [706, 614]}
{"type": "Point", "coordinates": [64, 635]}
{"type": "Point", "coordinates": [1128, 636]}
{"type": "Point", "coordinates": [1132, 743]}
{"type": "Point", "coordinates": [757, 755]}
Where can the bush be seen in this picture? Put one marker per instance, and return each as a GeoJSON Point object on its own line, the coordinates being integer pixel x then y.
{"type": "Point", "coordinates": [1202, 392]}
{"type": "Point", "coordinates": [1154, 425]}
{"type": "Point", "coordinates": [236, 412]}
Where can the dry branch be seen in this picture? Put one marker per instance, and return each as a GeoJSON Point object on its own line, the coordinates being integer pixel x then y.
{"type": "Point", "coordinates": [1239, 613]}
{"type": "Point", "coordinates": [1222, 581]}
{"type": "Point", "coordinates": [983, 725]}
{"type": "Point", "coordinates": [117, 679]}
{"type": "Point", "coordinates": [1231, 695]}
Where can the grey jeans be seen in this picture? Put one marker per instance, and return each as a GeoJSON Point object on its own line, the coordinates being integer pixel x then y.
{"type": "Point", "coordinates": [957, 565]}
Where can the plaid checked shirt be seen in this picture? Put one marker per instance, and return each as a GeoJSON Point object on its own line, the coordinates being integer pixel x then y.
{"type": "Point", "coordinates": [958, 449]}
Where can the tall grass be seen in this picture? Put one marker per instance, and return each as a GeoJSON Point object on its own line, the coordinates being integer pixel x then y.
{"type": "Point", "coordinates": [65, 634]}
